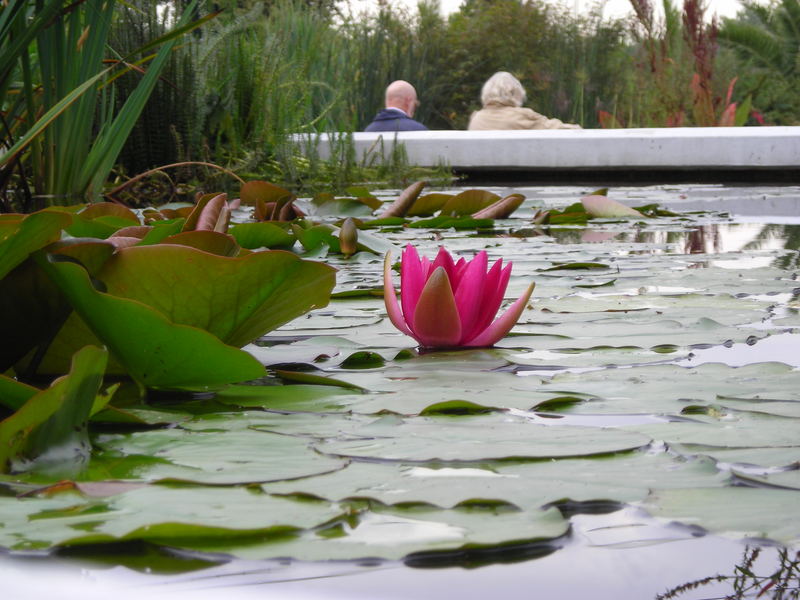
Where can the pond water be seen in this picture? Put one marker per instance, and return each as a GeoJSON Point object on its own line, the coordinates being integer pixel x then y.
{"type": "Point", "coordinates": [638, 430]}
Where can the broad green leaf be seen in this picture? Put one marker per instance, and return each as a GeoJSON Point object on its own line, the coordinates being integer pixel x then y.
{"type": "Point", "coordinates": [243, 298]}
{"type": "Point", "coordinates": [65, 431]}
{"type": "Point", "coordinates": [601, 207]}
{"type": "Point", "coordinates": [310, 397]}
{"type": "Point", "coordinates": [455, 407]}
{"type": "Point", "coordinates": [468, 202]}
{"type": "Point", "coordinates": [261, 235]}
{"type": "Point", "coordinates": [223, 451]}
{"type": "Point", "coordinates": [392, 534]}
{"type": "Point", "coordinates": [55, 418]}
{"type": "Point", "coordinates": [13, 393]}
{"type": "Point", "coordinates": [577, 266]}
{"type": "Point", "coordinates": [457, 222]}
{"type": "Point", "coordinates": [154, 350]}
{"type": "Point", "coordinates": [263, 191]}
{"type": "Point", "coordinates": [183, 514]}
{"type": "Point", "coordinates": [430, 439]}
{"type": "Point", "coordinates": [22, 237]}
{"type": "Point", "coordinates": [213, 242]}
{"type": "Point", "coordinates": [528, 486]}
{"type": "Point", "coordinates": [32, 310]}
{"type": "Point", "coordinates": [732, 511]}
{"type": "Point", "coordinates": [427, 205]}
{"type": "Point", "coordinates": [317, 235]}
{"type": "Point", "coordinates": [101, 219]}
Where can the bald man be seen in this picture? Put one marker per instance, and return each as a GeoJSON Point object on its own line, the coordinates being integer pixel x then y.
{"type": "Point", "coordinates": [401, 102]}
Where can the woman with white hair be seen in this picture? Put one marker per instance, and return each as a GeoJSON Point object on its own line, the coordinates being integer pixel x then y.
{"type": "Point", "coordinates": [502, 97]}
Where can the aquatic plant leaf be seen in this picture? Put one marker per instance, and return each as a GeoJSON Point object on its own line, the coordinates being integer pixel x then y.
{"type": "Point", "coordinates": [602, 207]}
{"type": "Point", "coordinates": [577, 266]}
{"type": "Point", "coordinates": [732, 511]}
{"type": "Point", "coordinates": [21, 236]}
{"type": "Point", "coordinates": [261, 235]}
{"type": "Point", "coordinates": [622, 478]}
{"type": "Point", "coordinates": [404, 201]}
{"type": "Point", "coordinates": [184, 513]}
{"type": "Point", "coordinates": [222, 451]}
{"type": "Point", "coordinates": [55, 418]}
{"type": "Point", "coordinates": [468, 202]}
{"type": "Point", "coordinates": [61, 443]}
{"type": "Point", "coordinates": [344, 207]}
{"type": "Point", "coordinates": [161, 230]}
{"type": "Point", "coordinates": [429, 439]}
{"type": "Point", "coordinates": [13, 393]}
{"type": "Point", "coordinates": [213, 242]}
{"type": "Point", "coordinates": [429, 204]}
{"type": "Point", "coordinates": [455, 408]}
{"type": "Point", "coordinates": [457, 222]}
{"type": "Point", "coordinates": [363, 360]}
{"type": "Point", "coordinates": [315, 236]}
{"type": "Point", "coordinates": [211, 213]}
{"type": "Point", "coordinates": [246, 297]}
{"type": "Point", "coordinates": [256, 191]}
{"type": "Point", "coordinates": [502, 209]}
{"type": "Point", "coordinates": [445, 537]}
{"type": "Point", "coordinates": [33, 310]}
{"type": "Point", "coordinates": [154, 350]}
{"type": "Point", "coordinates": [309, 397]}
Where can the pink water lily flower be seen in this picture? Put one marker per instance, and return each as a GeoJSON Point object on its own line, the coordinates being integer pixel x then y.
{"type": "Point", "coordinates": [450, 304]}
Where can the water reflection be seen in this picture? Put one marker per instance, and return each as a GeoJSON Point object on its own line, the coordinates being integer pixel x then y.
{"type": "Point", "coordinates": [707, 239]}
{"type": "Point", "coordinates": [750, 579]}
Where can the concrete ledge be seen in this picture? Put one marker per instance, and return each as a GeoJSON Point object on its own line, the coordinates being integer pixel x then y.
{"type": "Point", "coordinates": [667, 149]}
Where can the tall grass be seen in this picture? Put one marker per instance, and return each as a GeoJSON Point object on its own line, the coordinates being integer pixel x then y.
{"type": "Point", "coordinates": [63, 130]}
{"type": "Point", "coordinates": [260, 73]}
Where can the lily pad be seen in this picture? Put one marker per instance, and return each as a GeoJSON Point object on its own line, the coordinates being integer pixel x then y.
{"type": "Point", "coordinates": [733, 511]}
{"type": "Point", "coordinates": [429, 439]}
{"type": "Point", "coordinates": [184, 513]}
{"type": "Point", "coordinates": [395, 533]}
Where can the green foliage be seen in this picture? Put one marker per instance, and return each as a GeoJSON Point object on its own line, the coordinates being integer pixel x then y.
{"type": "Point", "coordinates": [766, 39]}
{"type": "Point", "coordinates": [171, 311]}
{"type": "Point", "coordinates": [60, 122]}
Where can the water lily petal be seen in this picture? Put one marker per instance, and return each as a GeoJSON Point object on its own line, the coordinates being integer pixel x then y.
{"type": "Point", "coordinates": [413, 274]}
{"type": "Point", "coordinates": [470, 293]}
{"type": "Point", "coordinates": [458, 273]}
{"type": "Point", "coordinates": [443, 259]}
{"type": "Point", "coordinates": [436, 322]}
{"type": "Point", "coordinates": [497, 330]}
{"type": "Point", "coordinates": [390, 298]}
{"type": "Point", "coordinates": [494, 292]}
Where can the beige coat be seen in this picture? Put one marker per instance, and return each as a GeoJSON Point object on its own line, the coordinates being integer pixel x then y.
{"type": "Point", "coordinates": [495, 116]}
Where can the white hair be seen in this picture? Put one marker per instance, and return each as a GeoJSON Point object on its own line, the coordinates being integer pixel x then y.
{"type": "Point", "coordinates": [504, 89]}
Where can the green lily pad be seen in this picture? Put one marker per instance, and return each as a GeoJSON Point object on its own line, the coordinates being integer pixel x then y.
{"type": "Point", "coordinates": [528, 486]}
{"type": "Point", "coordinates": [395, 533]}
{"type": "Point", "coordinates": [219, 456]}
{"type": "Point", "coordinates": [154, 350]}
{"type": "Point", "coordinates": [261, 235]}
{"type": "Point", "coordinates": [184, 513]}
{"type": "Point", "coordinates": [732, 511]}
{"type": "Point", "coordinates": [428, 439]}
{"type": "Point", "coordinates": [23, 236]}
{"type": "Point", "coordinates": [288, 397]}
{"type": "Point", "coordinates": [247, 297]}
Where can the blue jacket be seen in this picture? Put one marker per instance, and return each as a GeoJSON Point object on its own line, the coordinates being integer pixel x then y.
{"type": "Point", "coordinates": [394, 120]}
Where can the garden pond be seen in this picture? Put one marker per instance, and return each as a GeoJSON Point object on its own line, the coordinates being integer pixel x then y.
{"type": "Point", "coordinates": [636, 431]}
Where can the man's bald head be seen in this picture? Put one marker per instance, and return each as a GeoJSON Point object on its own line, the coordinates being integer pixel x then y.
{"type": "Point", "coordinates": [401, 94]}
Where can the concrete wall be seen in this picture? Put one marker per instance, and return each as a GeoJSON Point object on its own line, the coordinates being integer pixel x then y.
{"type": "Point", "coordinates": [689, 148]}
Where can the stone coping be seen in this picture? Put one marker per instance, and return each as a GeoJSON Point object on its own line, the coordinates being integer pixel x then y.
{"type": "Point", "coordinates": [686, 148]}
